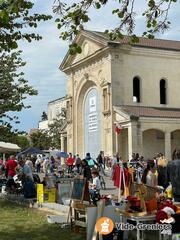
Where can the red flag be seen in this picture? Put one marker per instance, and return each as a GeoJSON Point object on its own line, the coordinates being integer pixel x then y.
{"type": "Point", "coordinates": [118, 129]}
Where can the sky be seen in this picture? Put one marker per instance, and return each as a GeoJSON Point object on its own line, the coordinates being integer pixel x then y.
{"type": "Point", "coordinates": [44, 57]}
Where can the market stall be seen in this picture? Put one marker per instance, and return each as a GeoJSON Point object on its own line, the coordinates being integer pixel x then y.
{"type": "Point", "coordinates": [8, 147]}
{"type": "Point", "coordinates": [30, 150]}
{"type": "Point", "coordinates": [135, 202]}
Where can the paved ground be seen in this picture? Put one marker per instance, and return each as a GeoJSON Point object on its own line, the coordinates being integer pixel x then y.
{"type": "Point", "coordinates": [110, 189]}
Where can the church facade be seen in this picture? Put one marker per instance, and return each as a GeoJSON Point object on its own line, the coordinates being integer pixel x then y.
{"type": "Point", "coordinates": [135, 87]}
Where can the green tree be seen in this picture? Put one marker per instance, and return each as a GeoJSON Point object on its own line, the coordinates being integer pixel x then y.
{"type": "Point", "coordinates": [74, 15]}
{"type": "Point", "coordinates": [6, 133]}
{"type": "Point", "coordinates": [15, 23]}
{"type": "Point", "coordinates": [55, 132]}
{"type": "Point", "coordinates": [56, 129]}
{"type": "Point", "coordinates": [15, 18]}
{"type": "Point", "coordinates": [21, 140]}
{"type": "Point", "coordinates": [13, 88]}
{"type": "Point", "coordinates": [41, 140]}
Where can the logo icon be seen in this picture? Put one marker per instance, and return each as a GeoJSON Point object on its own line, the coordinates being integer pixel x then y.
{"type": "Point", "coordinates": [104, 226]}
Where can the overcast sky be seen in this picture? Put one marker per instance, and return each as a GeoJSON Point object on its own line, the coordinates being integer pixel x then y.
{"type": "Point", "coordinates": [44, 57]}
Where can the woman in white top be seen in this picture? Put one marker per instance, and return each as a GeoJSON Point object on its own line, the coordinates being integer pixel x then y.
{"type": "Point", "coordinates": [149, 176]}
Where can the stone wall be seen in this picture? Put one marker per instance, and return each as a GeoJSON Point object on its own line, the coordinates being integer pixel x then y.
{"type": "Point", "coordinates": [150, 65]}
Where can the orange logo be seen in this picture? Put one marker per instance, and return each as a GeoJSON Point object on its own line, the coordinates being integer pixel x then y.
{"type": "Point", "coordinates": [104, 226]}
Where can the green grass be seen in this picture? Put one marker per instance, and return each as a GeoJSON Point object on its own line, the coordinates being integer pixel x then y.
{"type": "Point", "coordinates": [21, 223]}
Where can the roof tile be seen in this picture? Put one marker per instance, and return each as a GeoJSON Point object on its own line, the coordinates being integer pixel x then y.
{"type": "Point", "coordinates": [139, 111]}
{"type": "Point", "coordinates": [143, 42]}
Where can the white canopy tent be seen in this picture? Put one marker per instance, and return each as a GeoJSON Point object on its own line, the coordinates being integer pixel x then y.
{"type": "Point", "coordinates": [8, 147]}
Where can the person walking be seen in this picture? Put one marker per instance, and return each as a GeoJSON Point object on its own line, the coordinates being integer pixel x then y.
{"type": "Point", "coordinates": [100, 159]}
{"type": "Point", "coordinates": [86, 171]}
{"type": "Point", "coordinates": [149, 176]}
{"type": "Point", "coordinates": [46, 165]}
{"type": "Point", "coordinates": [38, 164]}
{"type": "Point", "coordinates": [78, 163]}
{"type": "Point", "coordinates": [116, 161]}
{"type": "Point", "coordinates": [70, 162]}
{"type": "Point", "coordinates": [52, 164]}
{"type": "Point", "coordinates": [29, 163]}
{"type": "Point", "coordinates": [90, 161]}
{"type": "Point", "coordinates": [162, 172]}
{"type": "Point", "coordinates": [101, 162]}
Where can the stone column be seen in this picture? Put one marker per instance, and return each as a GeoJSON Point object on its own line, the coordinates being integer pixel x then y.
{"type": "Point", "coordinates": [168, 146]}
{"type": "Point", "coordinates": [62, 143]}
{"type": "Point", "coordinates": [62, 148]}
{"type": "Point", "coordinates": [117, 143]}
{"type": "Point", "coordinates": [130, 142]}
{"type": "Point", "coordinates": [132, 139]}
{"type": "Point", "coordinates": [140, 141]}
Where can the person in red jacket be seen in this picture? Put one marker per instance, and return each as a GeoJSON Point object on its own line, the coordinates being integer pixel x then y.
{"type": "Point", "coordinates": [10, 166]}
{"type": "Point", "coordinates": [70, 162]}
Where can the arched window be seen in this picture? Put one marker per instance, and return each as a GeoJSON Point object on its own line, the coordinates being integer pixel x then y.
{"type": "Point", "coordinates": [162, 91]}
{"type": "Point", "coordinates": [136, 89]}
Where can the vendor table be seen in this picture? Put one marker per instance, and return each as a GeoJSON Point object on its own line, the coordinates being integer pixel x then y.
{"type": "Point", "coordinates": [138, 219]}
{"type": "Point", "coordinates": [142, 219]}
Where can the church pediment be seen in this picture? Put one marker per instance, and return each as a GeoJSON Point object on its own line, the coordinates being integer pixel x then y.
{"type": "Point", "coordinates": [120, 115]}
{"type": "Point", "coordinates": [89, 45]}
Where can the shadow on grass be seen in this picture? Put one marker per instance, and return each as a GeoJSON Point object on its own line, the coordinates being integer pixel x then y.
{"type": "Point", "coordinates": [20, 223]}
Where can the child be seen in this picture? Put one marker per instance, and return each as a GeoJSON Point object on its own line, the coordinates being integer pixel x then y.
{"type": "Point", "coordinates": [96, 185]}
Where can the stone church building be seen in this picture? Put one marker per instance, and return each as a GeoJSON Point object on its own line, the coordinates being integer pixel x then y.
{"type": "Point", "coordinates": [135, 87]}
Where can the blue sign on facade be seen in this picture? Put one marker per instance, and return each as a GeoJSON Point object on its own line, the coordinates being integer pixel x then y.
{"type": "Point", "coordinates": [92, 120]}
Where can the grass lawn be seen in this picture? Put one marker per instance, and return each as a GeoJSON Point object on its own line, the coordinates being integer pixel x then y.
{"type": "Point", "coordinates": [21, 223]}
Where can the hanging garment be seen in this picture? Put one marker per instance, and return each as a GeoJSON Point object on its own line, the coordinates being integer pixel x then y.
{"type": "Point", "coordinates": [118, 174]}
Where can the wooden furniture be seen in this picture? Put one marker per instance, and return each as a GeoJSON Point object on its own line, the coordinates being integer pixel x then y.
{"type": "Point", "coordinates": [79, 213]}
{"type": "Point", "coordinates": [80, 200]}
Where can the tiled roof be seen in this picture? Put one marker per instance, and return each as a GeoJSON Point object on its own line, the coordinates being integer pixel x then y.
{"type": "Point", "coordinates": [143, 42]}
{"type": "Point", "coordinates": [139, 111]}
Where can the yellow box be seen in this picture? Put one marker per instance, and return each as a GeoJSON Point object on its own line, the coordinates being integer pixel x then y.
{"type": "Point", "coordinates": [45, 194]}
{"type": "Point", "coordinates": [40, 193]}
{"type": "Point", "coordinates": [49, 195]}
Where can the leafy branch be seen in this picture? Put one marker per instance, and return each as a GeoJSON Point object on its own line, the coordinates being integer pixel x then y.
{"type": "Point", "coordinates": [72, 18]}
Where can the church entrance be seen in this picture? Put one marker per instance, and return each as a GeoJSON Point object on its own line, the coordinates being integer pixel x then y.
{"type": "Point", "coordinates": [92, 123]}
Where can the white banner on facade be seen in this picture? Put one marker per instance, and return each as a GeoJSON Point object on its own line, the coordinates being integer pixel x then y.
{"type": "Point", "coordinates": [92, 104]}
{"type": "Point", "coordinates": [93, 122]}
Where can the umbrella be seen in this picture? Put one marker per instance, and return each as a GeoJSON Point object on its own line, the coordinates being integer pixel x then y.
{"type": "Point", "coordinates": [60, 154]}
{"type": "Point", "coordinates": [31, 150]}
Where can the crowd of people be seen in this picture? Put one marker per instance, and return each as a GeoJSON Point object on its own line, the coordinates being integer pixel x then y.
{"type": "Point", "coordinates": [19, 175]}
{"type": "Point", "coordinates": [155, 172]}
{"type": "Point", "coordinates": [29, 168]}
